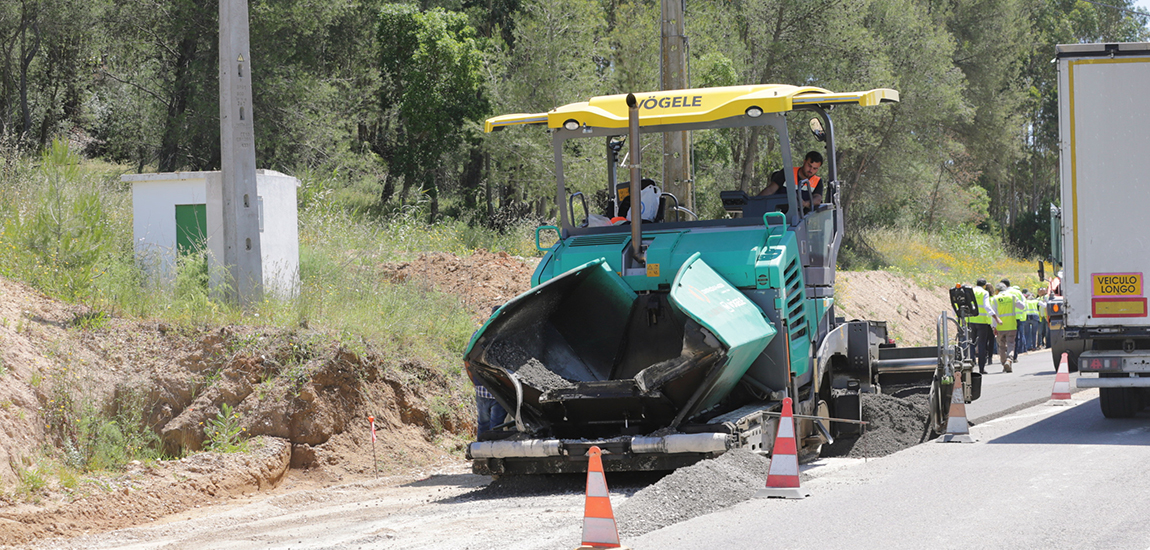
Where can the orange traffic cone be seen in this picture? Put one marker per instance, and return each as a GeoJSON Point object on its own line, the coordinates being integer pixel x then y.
{"type": "Point", "coordinates": [783, 475]}
{"type": "Point", "coordinates": [1060, 394]}
{"type": "Point", "coordinates": [599, 529]}
{"type": "Point", "coordinates": [957, 428]}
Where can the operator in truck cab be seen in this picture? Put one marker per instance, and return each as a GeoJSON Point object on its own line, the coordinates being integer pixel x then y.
{"type": "Point", "coordinates": [807, 178]}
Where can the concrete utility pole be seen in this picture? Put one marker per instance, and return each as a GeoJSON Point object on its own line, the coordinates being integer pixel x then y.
{"type": "Point", "coordinates": [673, 71]}
{"type": "Point", "coordinates": [242, 255]}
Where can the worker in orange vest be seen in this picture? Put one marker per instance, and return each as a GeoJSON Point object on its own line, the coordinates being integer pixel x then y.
{"type": "Point", "coordinates": [807, 178]}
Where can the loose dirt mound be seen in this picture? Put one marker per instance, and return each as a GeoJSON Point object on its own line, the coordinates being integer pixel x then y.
{"type": "Point", "coordinates": [909, 309]}
{"type": "Point", "coordinates": [482, 280]}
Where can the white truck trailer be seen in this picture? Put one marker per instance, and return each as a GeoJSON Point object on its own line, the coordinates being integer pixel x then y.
{"type": "Point", "coordinates": [1104, 124]}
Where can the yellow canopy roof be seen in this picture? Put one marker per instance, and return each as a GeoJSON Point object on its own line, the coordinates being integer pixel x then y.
{"type": "Point", "coordinates": [690, 106]}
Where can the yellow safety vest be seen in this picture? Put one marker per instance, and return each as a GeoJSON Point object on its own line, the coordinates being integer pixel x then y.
{"type": "Point", "coordinates": [979, 297]}
{"type": "Point", "coordinates": [1004, 303]}
{"type": "Point", "coordinates": [1019, 315]}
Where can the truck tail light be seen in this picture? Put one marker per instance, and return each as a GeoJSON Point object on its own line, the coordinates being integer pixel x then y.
{"type": "Point", "coordinates": [1101, 363]}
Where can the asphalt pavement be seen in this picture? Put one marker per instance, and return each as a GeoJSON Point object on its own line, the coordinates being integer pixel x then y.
{"type": "Point", "coordinates": [1045, 476]}
{"type": "Point", "coordinates": [1030, 383]}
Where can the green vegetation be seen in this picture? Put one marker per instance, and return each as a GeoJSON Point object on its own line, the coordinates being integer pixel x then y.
{"type": "Point", "coordinates": [343, 293]}
{"type": "Point", "coordinates": [91, 437]}
{"type": "Point", "coordinates": [385, 101]}
{"type": "Point", "coordinates": [948, 257]}
{"type": "Point", "coordinates": [223, 433]}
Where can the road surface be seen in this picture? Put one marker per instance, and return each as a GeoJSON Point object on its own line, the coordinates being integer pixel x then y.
{"type": "Point", "coordinates": [1045, 477]}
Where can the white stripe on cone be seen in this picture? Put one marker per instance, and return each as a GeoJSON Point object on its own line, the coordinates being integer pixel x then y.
{"type": "Point", "coordinates": [1061, 380]}
{"type": "Point", "coordinates": [786, 429]}
{"type": "Point", "coordinates": [596, 485]}
{"type": "Point", "coordinates": [600, 531]}
{"type": "Point", "coordinates": [784, 465]}
{"type": "Point", "coordinates": [956, 423]}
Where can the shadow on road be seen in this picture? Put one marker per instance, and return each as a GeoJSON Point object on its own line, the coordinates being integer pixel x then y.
{"type": "Point", "coordinates": [503, 487]}
{"type": "Point", "coordinates": [1082, 425]}
{"type": "Point", "coordinates": [450, 480]}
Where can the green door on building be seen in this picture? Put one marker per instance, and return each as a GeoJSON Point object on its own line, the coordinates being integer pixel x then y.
{"type": "Point", "coordinates": [191, 228]}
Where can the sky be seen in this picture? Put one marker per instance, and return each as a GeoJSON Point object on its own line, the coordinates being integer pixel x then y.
{"type": "Point", "coordinates": [1144, 4]}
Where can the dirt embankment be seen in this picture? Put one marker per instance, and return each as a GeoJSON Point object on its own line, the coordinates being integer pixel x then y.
{"type": "Point", "coordinates": [304, 394]}
{"type": "Point", "coordinates": [909, 310]}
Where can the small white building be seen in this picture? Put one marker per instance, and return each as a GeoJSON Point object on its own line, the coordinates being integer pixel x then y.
{"type": "Point", "coordinates": [182, 212]}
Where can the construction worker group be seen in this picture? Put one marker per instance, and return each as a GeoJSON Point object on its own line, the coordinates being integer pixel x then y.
{"type": "Point", "coordinates": [1010, 320]}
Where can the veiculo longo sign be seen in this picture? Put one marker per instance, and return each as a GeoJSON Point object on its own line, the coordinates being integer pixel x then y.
{"type": "Point", "coordinates": [1117, 284]}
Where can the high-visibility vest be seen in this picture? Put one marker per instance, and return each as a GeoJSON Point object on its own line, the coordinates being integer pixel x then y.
{"type": "Point", "coordinates": [814, 181]}
{"type": "Point", "coordinates": [979, 297]}
{"type": "Point", "coordinates": [1004, 303]}
{"type": "Point", "coordinates": [1042, 309]}
{"type": "Point", "coordinates": [1031, 307]}
{"type": "Point", "coordinates": [1019, 315]}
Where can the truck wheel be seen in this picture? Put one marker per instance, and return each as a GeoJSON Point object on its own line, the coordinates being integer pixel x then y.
{"type": "Point", "coordinates": [1118, 402]}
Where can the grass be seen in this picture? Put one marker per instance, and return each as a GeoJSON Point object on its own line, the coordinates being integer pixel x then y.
{"type": "Point", "coordinates": [66, 229]}
{"type": "Point", "coordinates": [944, 258]}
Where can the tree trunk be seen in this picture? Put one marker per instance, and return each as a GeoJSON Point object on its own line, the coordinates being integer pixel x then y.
{"type": "Point", "coordinates": [388, 188]}
{"type": "Point", "coordinates": [181, 92]}
{"type": "Point", "coordinates": [27, 54]}
{"type": "Point", "coordinates": [750, 155]}
{"type": "Point", "coordinates": [472, 175]}
{"type": "Point", "coordinates": [487, 185]}
{"type": "Point", "coordinates": [934, 199]}
{"type": "Point", "coordinates": [431, 189]}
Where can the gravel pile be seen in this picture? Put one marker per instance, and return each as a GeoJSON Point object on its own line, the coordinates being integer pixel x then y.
{"type": "Point", "coordinates": [534, 374]}
{"type": "Point", "coordinates": [693, 491]}
{"type": "Point", "coordinates": [529, 369]}
{"type": "Point", "coordinates": [506, 354]}
{"type": "Point", "coordinates": [894, 423]}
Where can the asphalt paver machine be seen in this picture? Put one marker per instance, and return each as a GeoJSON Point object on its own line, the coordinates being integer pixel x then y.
{"type": "Point", "coordinates": [665, 339]}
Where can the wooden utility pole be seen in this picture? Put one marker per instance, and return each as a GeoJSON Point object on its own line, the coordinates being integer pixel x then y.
{"type": "Point", "coordinates": [673, 72]}
{"type": "Point", "coordinates": [242, 256]}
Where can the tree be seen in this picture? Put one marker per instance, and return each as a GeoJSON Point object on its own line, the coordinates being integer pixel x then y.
{"type": "Point", "coordinates": [432, 85]}
{"type": "Point", "coordinates": [168, 50]}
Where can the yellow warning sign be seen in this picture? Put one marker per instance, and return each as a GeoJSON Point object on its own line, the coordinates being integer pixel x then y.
{"type": "Point", "coordinates": [652, 270]}
{"type": "Point", "coordinates": [1118, 307]}
{"type": "Point", "coordinates": [1117, 284]}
